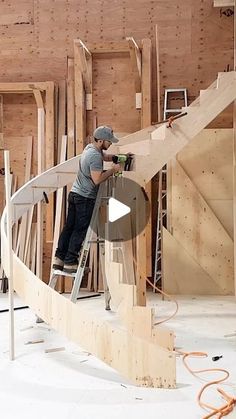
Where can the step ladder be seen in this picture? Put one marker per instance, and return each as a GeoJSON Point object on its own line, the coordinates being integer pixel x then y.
{"type": "Point", "coordinates": [168, 92]}
{"type": "Point", "coordinates": [78, 276]}
{"type": "Point", "coordinates": [161, 221]}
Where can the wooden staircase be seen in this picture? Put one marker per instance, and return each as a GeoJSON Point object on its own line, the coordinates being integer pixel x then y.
{"type": "Point", "coordinates": [160, 144]}
{"type": "Point", "coordinates": [140, 351]}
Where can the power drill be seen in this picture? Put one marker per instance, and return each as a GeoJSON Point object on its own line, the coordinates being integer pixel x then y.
{"type": "Point", "coordinates": [123, 159]}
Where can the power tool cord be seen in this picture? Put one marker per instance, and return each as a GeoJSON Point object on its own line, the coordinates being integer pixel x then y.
{"type": "Point", "coordinates": [231, 401]}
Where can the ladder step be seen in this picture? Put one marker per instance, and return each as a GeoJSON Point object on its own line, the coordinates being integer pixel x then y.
{"type": "Point", "coordinates": [176, 90]}
{"type": "Point", "coordinates": [173, 110]}
{"type": "Point", "coordinates": [166, 103]}
{"type": "Point", "coordinates": [62, 273]}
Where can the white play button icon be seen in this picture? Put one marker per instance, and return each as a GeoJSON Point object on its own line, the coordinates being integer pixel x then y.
{"type": "Point", "coordinates": [116, 210]}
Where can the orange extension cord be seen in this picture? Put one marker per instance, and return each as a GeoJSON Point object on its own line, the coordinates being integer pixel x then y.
{"type": "Point", "coordinates": [230, 401]}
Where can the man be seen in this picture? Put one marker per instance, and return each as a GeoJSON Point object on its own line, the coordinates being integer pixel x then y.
{"type": "Point", "coordinates": [82, 198]}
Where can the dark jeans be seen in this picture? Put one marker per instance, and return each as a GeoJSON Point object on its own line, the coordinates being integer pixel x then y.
{"type": "Point", "coordinates": [80, 211]}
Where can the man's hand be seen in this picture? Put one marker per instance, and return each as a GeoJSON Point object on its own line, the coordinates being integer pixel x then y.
{"type": "Point", "coordinates": [116, 168]}
{"type": "Point", "coordinates": [99, 177]}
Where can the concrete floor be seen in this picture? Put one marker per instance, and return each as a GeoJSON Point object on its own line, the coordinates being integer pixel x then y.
{"type": "Point", "coordinates": [73, 384]}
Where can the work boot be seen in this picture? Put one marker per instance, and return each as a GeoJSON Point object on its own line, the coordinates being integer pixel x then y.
{"type": "Point", "coordinates": [70, 269]}
{"type": "Point", "coordinates": [57, 263]}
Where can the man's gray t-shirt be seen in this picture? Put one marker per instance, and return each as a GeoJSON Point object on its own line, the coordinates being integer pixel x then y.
{"type": "Point", "coordinates": [90, 160]}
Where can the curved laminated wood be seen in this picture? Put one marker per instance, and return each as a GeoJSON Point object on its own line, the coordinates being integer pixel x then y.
{"type": "Point", "coordinates": [131, 344]}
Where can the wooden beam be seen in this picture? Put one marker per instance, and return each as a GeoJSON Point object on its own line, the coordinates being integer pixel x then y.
{"type": "Point", "coordinates": [146, 115]}
{"type": "Point", "coordinates": [61, 115]}
{"type": "Point", "coordinates": [49, 154]}
{"type": "Point", "coordinates": [33, 248]}
{"type": "Point", "coordinates": [59, 203]}
{"type": "Point", "coordinates": [70, 109]}
{"type": "Point", "coordinates": [41, 167]}
{"type": "Point", "coordinates": [159, 116]}
{"type": "Point", "coordinates": [25, 222]}
{"type": "Point", "coordinates": [83, 60]}
{"type": "Point", "coordinates": [141, 251]}
{"type": "Point", "coordinates": [146, 118]}
{"type": "Point", "coordinates": [22, 87]}
{"type": "Point", "coordinates": [224, 3]}
{"type": "Point", "coordinates": [49, 140]}
{"type": "Point", "coordinates": [9, 253]}
{"type": "Point", "coordinates": [80, 108]}
{"type": "Point", "coordinates": [66, 283]}
{"type": "Point", "coordinates": [108, 47]}
{"type": "Point", "coordinates": [1, 123]}
{"type": "Point", "coordinates": [234, 162]}
{"type": "Point", "coordinates": [38, 98]}
{"type": "Point", "coordinates": [136, 64]}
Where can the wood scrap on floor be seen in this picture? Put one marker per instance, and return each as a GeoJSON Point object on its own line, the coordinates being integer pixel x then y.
{"type": "Point", "coordinates": [49, 350]}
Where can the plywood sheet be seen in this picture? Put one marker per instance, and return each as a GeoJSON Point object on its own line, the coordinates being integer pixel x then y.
{"type": "Point", "coordinates": [182, 274]}
{"type": "Point", "coordinates": [114, 93]}
{"type": "Point", "coordinates": [208, 161]}
{"type": "Point", "coordinates": [18, 154]}
{"type": "Point", "coordinates": [198, 230]}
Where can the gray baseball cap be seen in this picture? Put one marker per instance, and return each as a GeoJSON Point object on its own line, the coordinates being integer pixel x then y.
{"type": "Point", "coordinates": [105, 133]}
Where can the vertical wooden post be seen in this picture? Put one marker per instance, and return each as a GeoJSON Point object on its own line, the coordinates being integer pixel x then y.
{"type": "Point", "coordinates": [49, 155]}
{"type": "Point", "coordinates": [159, 118]}
{"type": "Point", "coordinates": [80, 105]}
{"type": "Point", "coordinates": [22, 235]}
{"type": "Point", "coordinates": [1, 123]}
{"type": "Point", "coordinates": [140, 251]}
{"type": "Point", "coordinates": [41, 147]}
{"type": "Point", "coordinates": [59, 203]}
{"type": "Point", "coordinates": [146, 117]}
{"type": "Point", "coordinates": [61, 117]}
{"type": "Point", "coordinates": [146, 114]}
{"type": "Point", "coordinates": [10, 254]}
{"type": "Point", "coordinates": [234, 158]}
{"type": "Point", "coordinates": [70, 109]}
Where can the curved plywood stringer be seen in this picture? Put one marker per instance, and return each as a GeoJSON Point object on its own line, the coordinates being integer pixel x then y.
{"type": "Point", "coordinates": [127, 341]}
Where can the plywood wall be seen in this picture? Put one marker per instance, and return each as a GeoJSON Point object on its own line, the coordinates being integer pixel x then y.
{"type": "Point", "coordinates": [196, 39]}
{"type": "Point", "coordinates": [19, 123]}
{"type": "Point", "coordinates": [20, 120]}
{"type": "Point", "coordinates": [114, 94]}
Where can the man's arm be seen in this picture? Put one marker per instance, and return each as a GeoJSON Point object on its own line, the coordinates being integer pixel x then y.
{"type": "Point", "coordinates": [107, 157]}
{"type": "Point", "coordinates": [99, 177]}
